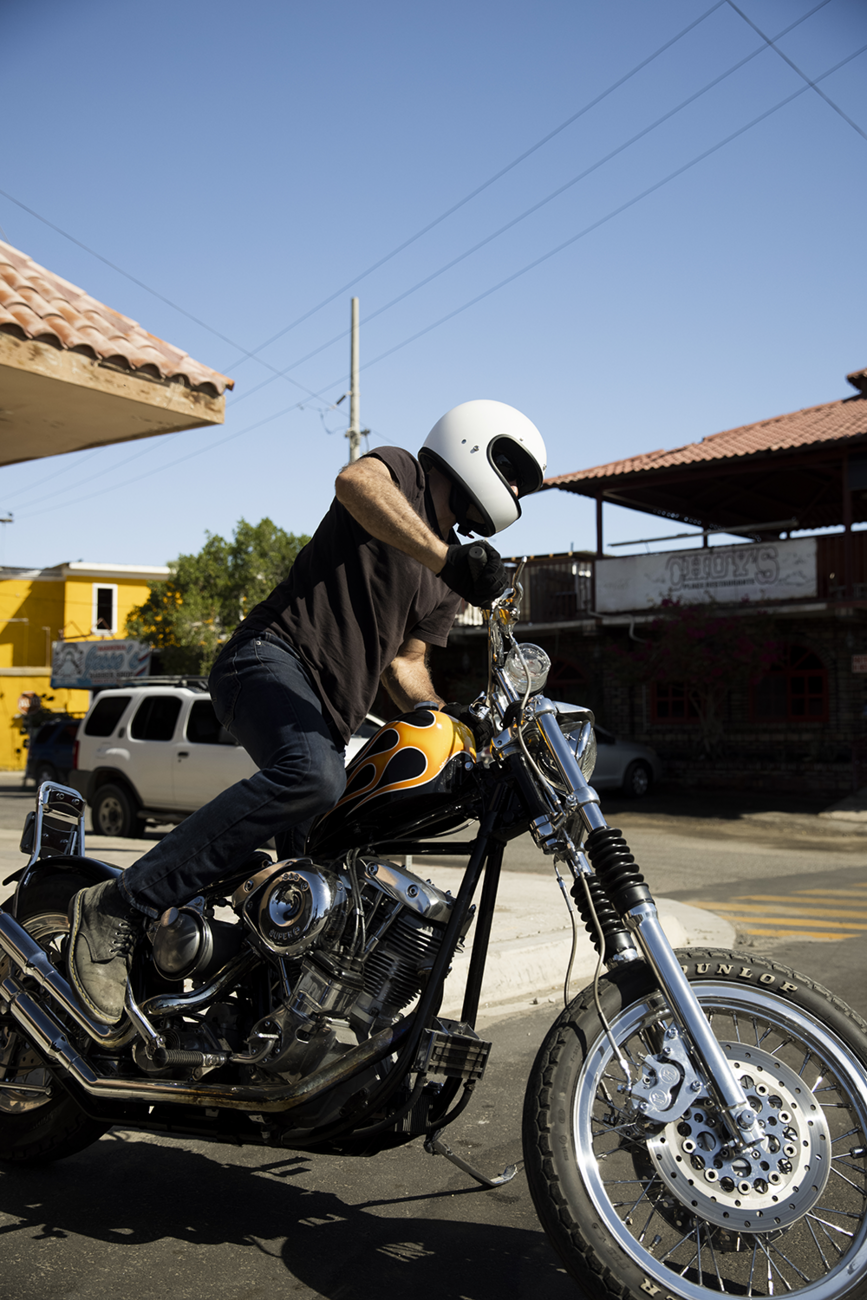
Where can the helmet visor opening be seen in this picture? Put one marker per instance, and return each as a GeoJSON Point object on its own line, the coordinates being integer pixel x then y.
{"type": "Point", "coordinates": [516, 466]}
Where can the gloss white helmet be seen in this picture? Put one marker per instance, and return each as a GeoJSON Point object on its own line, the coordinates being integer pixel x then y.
{"type": "Point", "coordinates": [488, 450]}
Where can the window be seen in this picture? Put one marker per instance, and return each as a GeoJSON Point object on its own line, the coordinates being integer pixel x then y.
{"type": "Point", "coordinates": [670, 702]}
{"type": "Point", "coordinates": [104, 608]}
{"type": "Point", "coordinates": [155, 718]}
{"type": "Point", "coordinates": [106, 714]}
{"type": "Point", "coordinates": [202, 725]}
{"type": "Point", "coordinates": [794, 690]}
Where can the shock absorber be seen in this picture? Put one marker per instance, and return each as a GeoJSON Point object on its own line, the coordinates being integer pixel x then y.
{"type": "Point", "coordinates": [617, 937]}
{"type": "Point", "coordinates": [615, 868]}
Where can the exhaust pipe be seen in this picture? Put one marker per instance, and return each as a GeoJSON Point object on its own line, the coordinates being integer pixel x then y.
{"type": "Point", "coordinates": [52, 1041]}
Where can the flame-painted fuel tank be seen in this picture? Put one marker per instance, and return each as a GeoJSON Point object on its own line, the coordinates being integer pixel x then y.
{"type": "Point", "coordinates": [416, 768]}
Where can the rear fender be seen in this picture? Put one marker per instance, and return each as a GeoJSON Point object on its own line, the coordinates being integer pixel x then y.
{"type": "Point", "coordinates": [89, 869]}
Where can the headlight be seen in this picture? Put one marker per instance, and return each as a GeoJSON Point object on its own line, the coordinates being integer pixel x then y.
{"type": "Point", "coordinates": [577, 726]}
{"type": "Point", "coordinates": [582, 742]}
{"type": "Point", "coordinates": [522, 659]}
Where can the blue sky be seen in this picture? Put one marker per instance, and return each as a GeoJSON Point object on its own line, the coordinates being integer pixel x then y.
{"type": "Point", "coordinates": [248, 162]}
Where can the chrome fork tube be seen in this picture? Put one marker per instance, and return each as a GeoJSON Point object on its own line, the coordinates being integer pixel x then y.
{"type": "Point", "coordinates": [643, 922]}
{"type": "Point", "coordinates": [741, 1119]}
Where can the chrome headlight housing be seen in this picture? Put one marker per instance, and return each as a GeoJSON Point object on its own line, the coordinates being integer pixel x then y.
{"type": "Point", "coordinates": [576, 723]}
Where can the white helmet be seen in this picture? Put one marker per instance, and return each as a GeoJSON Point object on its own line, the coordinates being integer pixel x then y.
{"type": "Point", "coordinates": [485, 448]}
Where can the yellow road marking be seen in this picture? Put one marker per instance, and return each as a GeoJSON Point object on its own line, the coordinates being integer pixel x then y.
{"type": "Point", "coordinates": [798, 909]}
{"type": "Point", "coordinates": [779, 931]}
{"type": "Point", "coordinates": [805, 913]}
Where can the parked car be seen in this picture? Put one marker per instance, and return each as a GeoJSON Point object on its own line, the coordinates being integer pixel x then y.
{"type": "Point", "coordinates": [156, 752]}
{"type": "Point", "coordinates": [624, 765]}
{"type": "Point", "coordinates": [50, 750]}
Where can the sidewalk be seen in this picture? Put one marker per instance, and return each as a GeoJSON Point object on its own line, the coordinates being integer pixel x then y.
{"type": "Point", "coordinates": [531, 937]}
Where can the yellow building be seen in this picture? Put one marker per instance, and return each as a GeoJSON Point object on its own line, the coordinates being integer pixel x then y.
{"type": "Point", "coordinates": [70, 602]}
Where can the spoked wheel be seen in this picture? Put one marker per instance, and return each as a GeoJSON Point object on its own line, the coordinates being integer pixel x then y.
{"type": "Point", "coordinates": [639, 1209]}
{"type": "Point", "coordinates": [39, 1121]}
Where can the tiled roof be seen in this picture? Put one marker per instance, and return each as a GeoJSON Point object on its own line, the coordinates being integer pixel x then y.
{"type": "Point", "coordinates": [37, 304]}
{"type": "Point", "coordinates": [832, 422]}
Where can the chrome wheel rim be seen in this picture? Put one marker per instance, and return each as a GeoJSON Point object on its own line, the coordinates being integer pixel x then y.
{"type": "Point", "coordinates": [816, 1250]}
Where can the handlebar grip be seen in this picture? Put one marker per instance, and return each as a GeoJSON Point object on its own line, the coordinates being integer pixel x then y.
{"type": "Point", "coordinates": [478, 558]}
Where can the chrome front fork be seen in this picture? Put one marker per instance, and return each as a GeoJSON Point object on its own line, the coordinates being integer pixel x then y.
{"type": "Point", "coordinates": [643, 922]}
{"type": "Point", "coordinates": [740, 1118]}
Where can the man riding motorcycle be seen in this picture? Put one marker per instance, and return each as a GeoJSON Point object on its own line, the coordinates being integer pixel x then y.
{"type": "Point", "coordinates": [379, 582]}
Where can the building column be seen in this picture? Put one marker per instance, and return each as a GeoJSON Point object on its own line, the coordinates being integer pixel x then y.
{"type": "Point", "coordinates": [847, 524]}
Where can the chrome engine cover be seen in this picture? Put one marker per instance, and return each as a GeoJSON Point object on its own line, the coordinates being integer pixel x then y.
{"type": "Point", "coordinates": [291, 904]}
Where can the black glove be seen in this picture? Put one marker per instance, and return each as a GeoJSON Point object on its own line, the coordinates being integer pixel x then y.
{"type": "Point", "coordinates": [475, 571]}
{"type": "Point", "coordinates": [482, 729]}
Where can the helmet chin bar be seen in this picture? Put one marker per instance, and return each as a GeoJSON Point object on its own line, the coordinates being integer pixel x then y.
{"type": "Point", "coordinates": [461, 503]}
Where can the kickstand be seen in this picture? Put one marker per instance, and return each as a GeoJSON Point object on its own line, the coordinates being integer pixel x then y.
{"type": "Point", "coordinates": [435, 1146]}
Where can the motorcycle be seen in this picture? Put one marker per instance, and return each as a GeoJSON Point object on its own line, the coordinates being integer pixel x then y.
{"type": "Point", "coordinates": [695, 1122]}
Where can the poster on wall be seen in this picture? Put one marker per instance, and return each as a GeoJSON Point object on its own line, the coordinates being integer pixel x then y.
{"type": "Point", "coordinates": [728, 574]}
{"type": "Point", "coordinates": [87, 665]}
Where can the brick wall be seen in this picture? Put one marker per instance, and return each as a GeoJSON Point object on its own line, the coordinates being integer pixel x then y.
{"type": "Point", "coordinates": [827, 758]}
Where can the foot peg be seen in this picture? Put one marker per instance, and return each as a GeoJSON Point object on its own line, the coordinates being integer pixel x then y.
{"type": "Point", "coordinates": [435, 1146]}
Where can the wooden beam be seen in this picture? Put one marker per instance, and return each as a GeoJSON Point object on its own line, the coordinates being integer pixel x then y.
{"type": "Point", "coordinates": [52, 402]}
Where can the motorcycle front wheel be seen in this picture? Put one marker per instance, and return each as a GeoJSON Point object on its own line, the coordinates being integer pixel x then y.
{"type": "Point", "coordinates": [640, 1209]}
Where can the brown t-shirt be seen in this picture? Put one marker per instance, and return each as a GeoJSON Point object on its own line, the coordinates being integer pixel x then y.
{"type": "Point", "coordinates": [351, 601]}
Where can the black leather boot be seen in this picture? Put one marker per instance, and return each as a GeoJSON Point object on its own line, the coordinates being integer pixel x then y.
{"type": "Point", "coordinates": [104, 929]}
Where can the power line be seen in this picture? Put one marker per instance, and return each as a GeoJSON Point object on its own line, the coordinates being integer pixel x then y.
{"type": "Point", "coordinates": [253, 354]}
{"type": "Point", "coordinates": [680, 171]}
{"type": "Point", "coordinates": [795, 68]}
{"type": "Point", "coordinates": [108, 470]}
{"type": "Point", "coordinates": [159, 469]}
{"type": "Point", "coordinates": [488, 183]}
{"type": "Point", "coordinates": [64, 469]}
{"type": "Point", "coordinates": [614, 213]}
{"type": "Point", "coordinates": [536, 206]}
{"type": "Point", "coordinates": [141, 284]}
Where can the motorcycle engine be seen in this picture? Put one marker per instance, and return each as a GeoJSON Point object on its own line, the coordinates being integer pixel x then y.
{"type": "Point", "coordinates": [350, 953]}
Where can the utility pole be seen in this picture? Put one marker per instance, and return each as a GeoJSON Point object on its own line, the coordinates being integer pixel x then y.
{"type": "Point", "coordinates": [4, 520]}
{"type": "Point", "coordinates": [354, 431]}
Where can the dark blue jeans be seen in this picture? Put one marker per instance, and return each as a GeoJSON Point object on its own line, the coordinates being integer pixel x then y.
{"type": "Point", "coordinates": [264, 697]}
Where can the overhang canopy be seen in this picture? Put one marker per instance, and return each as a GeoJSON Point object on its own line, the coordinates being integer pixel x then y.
{"type": "Point", "coordinates": [809, 466]}
{"type": "Point", "coordinates": [76, 374]}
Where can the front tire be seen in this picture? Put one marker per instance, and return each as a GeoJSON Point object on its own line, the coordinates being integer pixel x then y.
{"type": "Point", "coordinates": [41, 1122]}
{"type": "Point", "coordinates": [629, 1206]}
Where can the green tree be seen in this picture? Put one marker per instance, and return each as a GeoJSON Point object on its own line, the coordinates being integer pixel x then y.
{"type": "Point", "coordinates": [709, 652]}
{"type": "Point", "coordinates": [190, 615]}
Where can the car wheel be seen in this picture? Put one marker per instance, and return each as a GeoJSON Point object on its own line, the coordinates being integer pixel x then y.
{"type": "Point", "coordinates": [638, 779]}
{"type": "Point", "coordinates": [112, 812]}
{"type": "Point", "coordinates": [44, 772]}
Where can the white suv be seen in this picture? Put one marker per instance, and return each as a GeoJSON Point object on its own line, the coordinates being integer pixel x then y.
{"type": "Point", "coordinates": [157, 752]}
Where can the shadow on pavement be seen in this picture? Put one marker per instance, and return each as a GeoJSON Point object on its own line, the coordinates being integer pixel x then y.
{"type": "Point", "coordinates": [163, 1204]}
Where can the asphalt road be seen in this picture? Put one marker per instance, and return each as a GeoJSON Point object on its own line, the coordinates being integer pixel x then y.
{"type": "Point", "coordinates": [141, 1216]}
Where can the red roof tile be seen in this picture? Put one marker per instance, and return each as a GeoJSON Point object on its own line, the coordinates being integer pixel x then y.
{"type": "Point", "coordinates": [831, 422]}
{"type": "Point", "coordinates": [36, 304]}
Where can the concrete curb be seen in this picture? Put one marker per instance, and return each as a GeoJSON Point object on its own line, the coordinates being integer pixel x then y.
{"type": "Point", "coordinates": [531, 936]}
{"type": "Point", "coordinates": [524, 969]}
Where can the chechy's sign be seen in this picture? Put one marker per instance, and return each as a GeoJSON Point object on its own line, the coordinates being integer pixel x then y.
{"type": "Point", "coordinates": [83, 665]}
{"type": "Point", "coordinates": [747, 571]}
